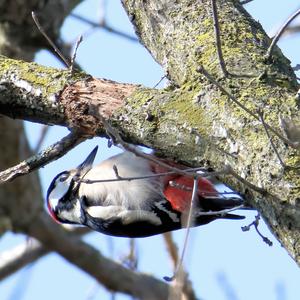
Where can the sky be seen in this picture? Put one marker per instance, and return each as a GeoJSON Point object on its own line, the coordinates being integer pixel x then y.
{"type": "Point", "coordinates": [223, 262]}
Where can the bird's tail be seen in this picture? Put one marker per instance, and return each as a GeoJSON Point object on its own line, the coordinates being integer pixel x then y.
{"type": "Point", "coordinates": [221, 203]}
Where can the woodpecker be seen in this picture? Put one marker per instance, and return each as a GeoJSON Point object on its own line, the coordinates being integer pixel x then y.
{"type": "Point", "coordinates": [132, 208]}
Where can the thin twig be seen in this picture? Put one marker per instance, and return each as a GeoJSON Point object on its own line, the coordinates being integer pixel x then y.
{"type": "Point", "coordinates": [78, 42]}
{"type": "Point", "coordinates": [44, 157]}
{"type": "Point", "coordinates": [280, 32]}
{"type": "Point", "coordinates": [131, 259]}
{"type": "Point", "coordinates": [255, 223]}
{"type": "Point", "coordinates": [189, 224]}
{"type": "Point", "coordinates": [171, 247]}
{"type": "Point", "coordinates": [43, 133]}
{"type": "Point", "coordinates": [42, 31]}
{"type": "Point", "coordinates": [242, 106]}
{"type": "Point", "coordinates": [245, 182]}
{"type": "Point", "coordinates": [218, 38]}
{"type": "Point", "coordinates": [105, 27]}
{"type": "Point", "coordinates": [189, 171]}
{"type": "Point", "coordinates": [115, 136]}
{"type": "Point", "coordinates": [160, 80]}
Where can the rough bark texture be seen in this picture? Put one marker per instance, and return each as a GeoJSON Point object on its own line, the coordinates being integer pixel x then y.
{"type": "Point", "coordinates": [192, 121]}
{"type": "Point", "coordinates": [180, 36]}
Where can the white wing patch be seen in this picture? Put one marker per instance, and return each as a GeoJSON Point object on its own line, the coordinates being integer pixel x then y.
{"type": "Point", "coordinates": [127, 216]}
{"type": "Point", "coordinates": [172, 215]}
{"type": "Point", "coordinates": [103, 212]}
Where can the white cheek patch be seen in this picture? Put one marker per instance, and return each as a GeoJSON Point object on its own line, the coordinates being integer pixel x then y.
{"type": "Point", "coordinates": [57, 193]}
{"type": "Point", "coordinates": [72, 215]}
{"type": "Point", "coordinates": [171, 215]}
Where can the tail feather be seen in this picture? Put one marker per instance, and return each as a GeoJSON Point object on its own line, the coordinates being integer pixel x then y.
{"type": "Point", "coordinates": [232, 217]}
{"type": "Point", "coordinates": [216, 203]}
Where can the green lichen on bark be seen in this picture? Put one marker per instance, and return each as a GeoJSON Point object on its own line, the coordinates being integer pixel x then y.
{"type": "Point", "coordinates": [180, 36]}
{"type": "Point", "coordinates": [41, 85]}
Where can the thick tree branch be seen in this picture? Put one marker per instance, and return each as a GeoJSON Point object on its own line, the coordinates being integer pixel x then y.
{"type": "Point", "coordinates": [113, 275]}
{"type": "Point", "coordinates": [14, 259]}
{"type": "Point", "coordinates": [30, 251]}
{"type": "Point", "coordinates": [39, 160]}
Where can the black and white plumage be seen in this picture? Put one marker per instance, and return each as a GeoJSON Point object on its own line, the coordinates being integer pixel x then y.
{"type": "Point", "coordinates": [135, 208]}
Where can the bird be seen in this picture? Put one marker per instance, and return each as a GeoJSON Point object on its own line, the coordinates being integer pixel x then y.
{"type": "Point", "coordinates": [125, 196]}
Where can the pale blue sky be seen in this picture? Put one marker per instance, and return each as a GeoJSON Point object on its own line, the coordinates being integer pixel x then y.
{"type": "Point", "coordinates": [217, 251]}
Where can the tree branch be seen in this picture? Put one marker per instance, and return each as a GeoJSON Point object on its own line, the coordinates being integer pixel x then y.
{"type": "Point", "coordinates": [109, 273]}
{"type": "Point", "coordinates": [39, 160]}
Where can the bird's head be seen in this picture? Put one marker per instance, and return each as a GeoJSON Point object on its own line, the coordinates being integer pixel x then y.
{"type": "Point", "coordinates": [62, 195]}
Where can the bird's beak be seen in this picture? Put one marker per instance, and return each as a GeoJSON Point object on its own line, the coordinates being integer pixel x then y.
{"type": "Point", "coordinates": [87, 164]}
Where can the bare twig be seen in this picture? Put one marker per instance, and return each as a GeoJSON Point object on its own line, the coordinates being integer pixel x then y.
{"type": "Point", "coordinates": [131, 260]}
{"type": "Point", "coordinates": [280, 32]}
{"type": "Point", "coordinates": [245, 182]}
{"type": "Point", "coordinates": [173, 252]}
{"type": "Point", "coordinates": [78, 42]}
{"type": "Point", "coordinates": [189, 171]}
{"type": "Point", "coordinates": [171, 247]}
{"type": "Point", "coordinates": [42, 31]}
{"type": "Point", "coordinates": [115, 136]}
{"type": "Point", "coordinates": [218, 38]}
{"type": "Point", "coordinates": [255, 223]}
{"type": "Point", "coordinates": [53, 152]}
{"type": "Point", "coordinates": [189, 224]}
{"type": "Point", "coordinates": [160, 80]}
{"type": "Point", "coordinates": [104, 26]}
{"type": "Point", "coordinates": [242, 106]}
{"type": "Point", "coordinates": [284, 166]}
{"type": "Point", "coordinates": [43, 133]}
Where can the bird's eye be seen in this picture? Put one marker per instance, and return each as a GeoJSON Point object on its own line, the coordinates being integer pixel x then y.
{"type": "Point", "coordinates": [63, 177]}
